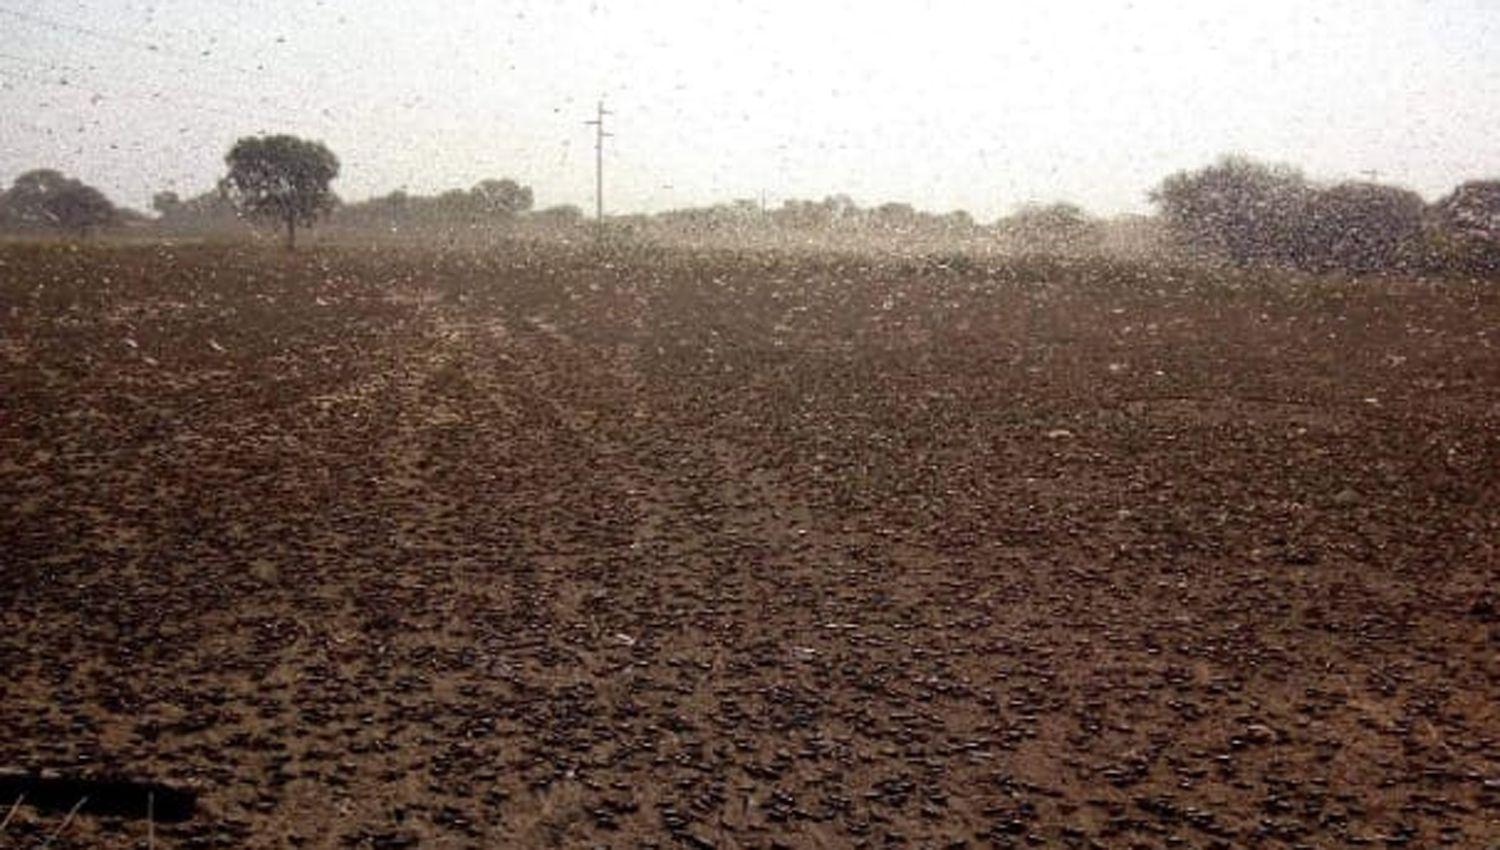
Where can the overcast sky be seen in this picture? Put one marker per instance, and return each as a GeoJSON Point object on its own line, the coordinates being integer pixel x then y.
{"type": "Point", "coordinates": [946, 105]}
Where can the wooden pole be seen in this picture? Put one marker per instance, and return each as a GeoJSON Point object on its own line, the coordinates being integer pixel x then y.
{"type": "Point", "coordinates": [599, 136]}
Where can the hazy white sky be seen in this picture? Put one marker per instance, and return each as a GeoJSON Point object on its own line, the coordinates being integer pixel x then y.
{"type": "Point", "coordinates": [974, 105]}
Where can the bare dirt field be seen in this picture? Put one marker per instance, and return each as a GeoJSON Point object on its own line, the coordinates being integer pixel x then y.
{"type": "Point", "coordinates": [665, 549]}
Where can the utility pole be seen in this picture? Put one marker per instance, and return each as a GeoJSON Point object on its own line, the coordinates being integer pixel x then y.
{"type": "Point", "coordinates": [599, 134]}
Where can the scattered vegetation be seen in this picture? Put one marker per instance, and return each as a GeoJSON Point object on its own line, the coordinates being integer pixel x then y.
{"type": "Point", "coordinates": [1236, 211]}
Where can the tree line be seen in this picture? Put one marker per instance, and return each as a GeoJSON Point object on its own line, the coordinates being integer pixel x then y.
{"type": "Point", "coordinates": [1235, 210]}
{"type": "Point", "coordinates": [1248, 212]}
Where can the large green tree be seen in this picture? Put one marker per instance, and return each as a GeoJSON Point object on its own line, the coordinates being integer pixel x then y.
{"type": "Point", "coordinates": [281, 178]}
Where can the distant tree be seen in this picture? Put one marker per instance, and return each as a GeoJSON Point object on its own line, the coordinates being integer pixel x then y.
{"type": "Point", "coordinates": [502, 198]}
{"type": "Point", "coordinates": [1253, 212]}
{"type": "Point", "coordinates": [1053, 228]}
{"type": "Point", "coordinates": [281, 178]}
{"type": "Point", "coordinates": [816, 215]}
{"type": "Point", "coordinates": [801, 215]}
{"type": "Point", "coordinates": [563, 218]}
{"type": "Point", "coordinates": [959, 221]}
{"type": "Point", "coordinates": [456, 198]}
{"type": "Point", "coordinates": [166, 204]}
{"type": "Point", "coordinates": [25, 204]}
{"type": "Point", "coordinates": [1244, 210]}
{"type": "Point", "coordinates": [391, 212]}
{"type": "Point", "coordinates": [82, 208]}
{"type": "Point", "coordinates": [896, 216]}
{"type": "Point", "coordinates": [562, 213]}
{"type": "Point", "coordinates": [130, 219]}
{"type": "Point", "coordinates": [47, 199]}
{"type": "Point", "coordinates": [210, 211]}
{"type": "Point", "coordinates": [1467, 225]}
{"type": "Point", "coordinates": [1359, 227]}
{"type": "Point", "coordinates": [841, 207]}
{"type": "Point", "coordinates": [1471, 210]}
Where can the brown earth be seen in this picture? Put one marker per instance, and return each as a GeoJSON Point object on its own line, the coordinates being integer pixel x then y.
{"type": "Point", "coordinates": [665, 549]}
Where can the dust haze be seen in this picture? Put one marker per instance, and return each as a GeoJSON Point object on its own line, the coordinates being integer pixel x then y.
{"type": "Point", "coordinates": [754, 425]}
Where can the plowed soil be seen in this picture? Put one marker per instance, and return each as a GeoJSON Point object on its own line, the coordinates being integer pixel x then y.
{"type": "Point", "coordinates": [549, 548]}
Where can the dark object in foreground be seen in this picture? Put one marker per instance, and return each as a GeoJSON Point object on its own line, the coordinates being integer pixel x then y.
{"type": "Point", "coordinates": [49, 791]}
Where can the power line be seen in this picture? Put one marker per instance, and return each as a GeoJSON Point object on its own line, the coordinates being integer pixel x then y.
{"type": "Point", "coordinates": [246, 107]}
{"type": "Point", "coordinates": [116, 91]}
{"type": "Point", "coordinates": [157, 98]}
{"type": "Point", "coordinates": [157, 50]}
{"type": "Point", "coordinates": [192, 99]}
{"type": "Point", "coordinates": [260, 72]}
{"type": "Point", "coordinates": [265, 111]}
{"type": "Point", "coordinates": [149, 47]}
